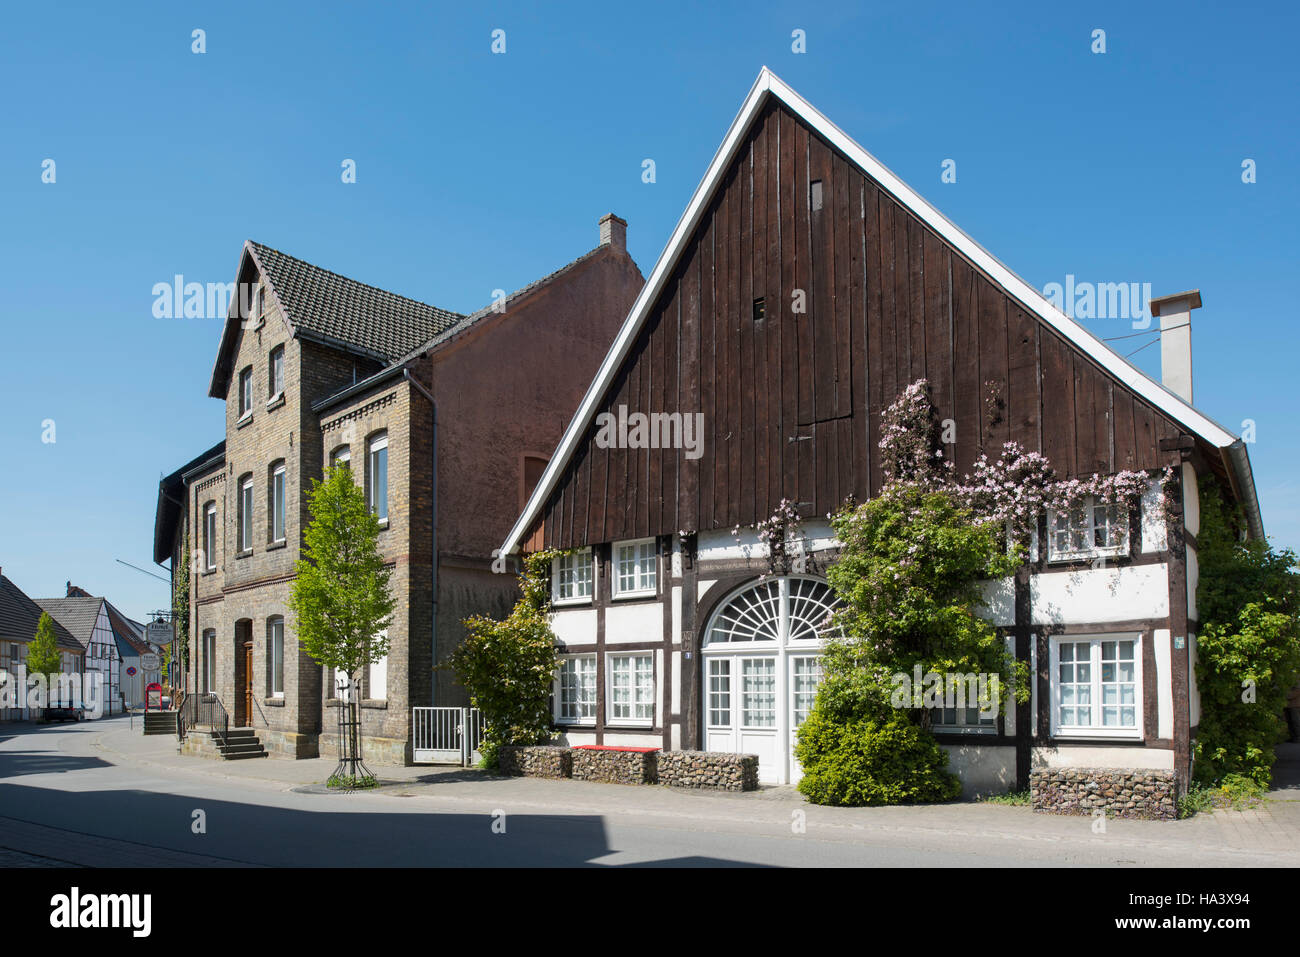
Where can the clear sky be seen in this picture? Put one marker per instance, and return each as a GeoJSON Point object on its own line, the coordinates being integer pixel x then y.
{"type": "Point", "coordinates": [477, 171]}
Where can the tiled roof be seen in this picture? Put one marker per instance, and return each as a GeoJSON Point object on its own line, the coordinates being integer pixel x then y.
{"type": "Point", "coordinates": [77, 615]}
{"type": "Point", "coordinates": [19, 616]}
{"type": "Point", "coordinates": [125, 630]}
{"type": "Point", "coordinates": [341, 309]}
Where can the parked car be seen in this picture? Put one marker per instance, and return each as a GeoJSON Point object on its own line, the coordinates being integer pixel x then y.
{"type": "Point", "coordinates": [65, 713]}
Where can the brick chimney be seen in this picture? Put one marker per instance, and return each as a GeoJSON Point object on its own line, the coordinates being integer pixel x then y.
{"type": "Point", "coordinates": [613, 232]}
{"type": "Point", "coordinates": [1175, 314]}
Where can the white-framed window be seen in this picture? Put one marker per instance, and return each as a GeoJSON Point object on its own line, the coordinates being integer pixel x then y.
{"type": "Point", "coordinates": [964, 719]}
{"type": "Point", "coordinates": [719, 692]}
{"type": "Point", "coordinates": [245, 392]}
{"type": "Point", "coordinates": [377, 676]}
{"type": "Point", "coordinates": [635, 568]}
{"type": "Point", "coordinates": [573, 577]}
{"type": "Point", "coordinates": [276, 368]}
{"type": "Point", "coordinates": [805, 677]}
{"type": "Point", "coordinates": [377, 476]}
{"type": "Point", "coordinates": [246, 514]}
{"type": "Point", "coordinates": [631, 689]}
{"type": "Point", "coordinates": [210, 536]}
{"type": "Point", "coordinates": [1092, 529]}
{"type": "Point", "coordinates": [1097, 686]}
{"type": "Point", "coordinates": [341, 456]}
{"type": "Point", "coordinates": [275, 655]}
{"type": "Point", "coordinates": [275, 501]}
{"type": "Point", "coordinates": [575, 690]}
{"type": "Point", "coordinates": [209, 660]}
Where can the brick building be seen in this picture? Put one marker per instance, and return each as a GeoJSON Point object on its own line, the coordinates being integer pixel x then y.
{"type": "Point", "coordinates": [447, 421]}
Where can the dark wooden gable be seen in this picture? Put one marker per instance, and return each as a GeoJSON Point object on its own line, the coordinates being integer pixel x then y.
{"type": "Point", "coordinates": [792, 402]}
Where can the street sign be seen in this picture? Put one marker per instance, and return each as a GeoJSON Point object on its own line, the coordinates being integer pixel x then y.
{"type": "Point", "coordinates": [158, 633]}
{"type": "Point", "coordinates": [150, 662]}
{"type": "Point", "coordinates": [130, 672]}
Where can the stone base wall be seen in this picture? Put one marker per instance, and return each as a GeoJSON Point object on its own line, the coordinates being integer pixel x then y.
{"type": "Point", "coordinates": [1119, 792]}
{"type": "Point", "coordinates": [707, 769]}
{"type": "Point", "coordinates": [391, 752]}
{"type": "Point", "coordinates": [201, 744]}
{"type": "Point", "coordinates": [288, 744]}
{"type": "Point", "coordinates": [539, 761]}
{"type": "Point", "coordinates": [614, 767]}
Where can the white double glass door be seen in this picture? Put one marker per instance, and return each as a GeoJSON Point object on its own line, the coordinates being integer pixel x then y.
{"type": "Point", "coordinates": [762, 665]}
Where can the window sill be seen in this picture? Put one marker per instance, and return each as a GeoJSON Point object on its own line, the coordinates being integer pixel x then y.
{"type": "Point", "coordinates": [378, 704]}
{"type": "Point", "coordinates": [208, 571]}
{"type": "Point", "coordinates": [628, 723]}
{"type": "Point", "coordinates": [562, 602]}
{"type": "Point", "coordinates": [634, 595]}
{"type": "Point", "coordinates": [1096, 734]}
{"type": "Point", "coordinates": [274, 702]}
{"type": "Point", "coordinates": [576, 724]}
{"type": "Point", "coordinates": [1059, 559]}
{"type": "Point", "coordinates": [273, 546]}
{"type": "Point", "coordinates": [383, 524]}
{"type": "Point", "coordinates": [275, 402]}
{"type": "Point", "coordinates": [246, 553]}
{"type": "Point", "coordinates": [243, 420]}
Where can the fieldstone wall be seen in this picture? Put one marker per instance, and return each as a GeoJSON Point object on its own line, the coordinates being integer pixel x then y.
{"type": "Point", "coordinates": [1119, 792]}
{"type": "Point", "coordinates": [706, 769]}
{"type": "Point", "coordinates": [614, 767]}
{"type": "Point", "coordinates": [535, 761]}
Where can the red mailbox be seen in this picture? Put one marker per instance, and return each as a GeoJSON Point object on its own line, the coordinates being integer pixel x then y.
{"type": "Point", "coordinates": [153, 696]}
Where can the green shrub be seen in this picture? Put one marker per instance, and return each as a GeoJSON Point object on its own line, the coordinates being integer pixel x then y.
{"type": "Point", "coordinates": [871, 761]}
{"type": "Point", "coordinates": [1248, 650]}
{"type": "Point", "coordinates": [508, 666]}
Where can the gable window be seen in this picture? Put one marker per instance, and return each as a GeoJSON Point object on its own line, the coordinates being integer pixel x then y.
{"type": "Point", "coordinates": [246, 514]}
{"type": "Point", "coordinates": [259, 301]}
{"type": "Point", "coordinates": [760, 309]}
{"type": "Point", "coordinates": [275, 502]}
{"type": "Point", "coordinates": [1092, 529]}
{"type": "Point", "coordinates": [275, 656]}
{"type": "Point", "coordinates": [377, 476]}
{"type": "Point", "coordinates": [631, 691]}
{"type": "Point", "coordinates": [277, 372]}
{"type": "Point", "coordinates": [636, 567]}
{"type": "Point", "coordinates": [246, 392]}
{"type": "Point", "coordinates": [575, 690]}
{"type": "Point", "coordinates": [572, 577]}
{"type": "Point", "coordinates": [210, 536]}
{"type": "Point", "coordinates": [1097, 686]}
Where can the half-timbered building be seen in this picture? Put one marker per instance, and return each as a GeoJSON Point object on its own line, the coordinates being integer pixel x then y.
{"type": "Point", "coordinates": [803, 289]}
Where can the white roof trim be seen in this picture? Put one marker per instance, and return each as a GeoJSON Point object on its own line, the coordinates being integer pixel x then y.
{"type": "Point", "coordinates": [1029, 297]}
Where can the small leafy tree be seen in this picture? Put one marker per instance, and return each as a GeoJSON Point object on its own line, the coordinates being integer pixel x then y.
{"type": "Point", "coordinates": [43, 655]}
{"type": "Point", "coordinates": [508, 666]}
{"type": "Point", "coordinates": [1248, 650]}
{"type": "Point", "coordinates": [341, 598]}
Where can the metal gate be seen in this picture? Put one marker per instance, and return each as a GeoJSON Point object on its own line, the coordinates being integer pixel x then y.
{"type": "Point", "coordinates": [446, 735]}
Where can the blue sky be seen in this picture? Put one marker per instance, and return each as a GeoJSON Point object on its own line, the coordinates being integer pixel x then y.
{"type": "Point", "coordinates": [478, 171]}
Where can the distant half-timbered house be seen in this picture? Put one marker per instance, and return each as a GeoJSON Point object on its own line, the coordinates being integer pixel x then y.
{"type": "Point", "coordinates": [803, 289]}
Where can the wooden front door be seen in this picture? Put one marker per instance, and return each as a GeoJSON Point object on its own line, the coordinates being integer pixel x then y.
{"type": "Point", "coordinates": [248, 684]}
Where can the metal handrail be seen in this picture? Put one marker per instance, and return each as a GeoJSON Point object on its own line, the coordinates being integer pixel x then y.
{"type": "Point", "coordinates": [205, 709]}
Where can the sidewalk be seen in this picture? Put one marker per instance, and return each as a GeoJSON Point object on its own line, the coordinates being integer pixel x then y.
{"type": "Point", "coordinates": [1266, 836]}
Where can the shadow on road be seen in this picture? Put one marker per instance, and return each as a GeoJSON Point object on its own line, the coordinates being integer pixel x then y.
{"type": "Point", "coordinates": [19, 763]}
{"type": "Point", "coordinates": [285, 837]}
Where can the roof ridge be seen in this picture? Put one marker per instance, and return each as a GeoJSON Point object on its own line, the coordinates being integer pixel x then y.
{"type": "Point", "coordinates": [357, 282]}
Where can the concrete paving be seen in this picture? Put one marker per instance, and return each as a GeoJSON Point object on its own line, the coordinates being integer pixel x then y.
{"type": "Point", "coordinates": [102, 792]}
